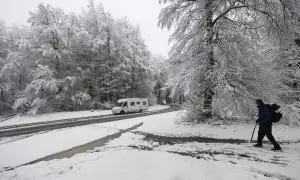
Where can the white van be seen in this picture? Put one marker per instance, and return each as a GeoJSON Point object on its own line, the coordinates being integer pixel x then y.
{"type": "Point", "coordinates": [130, 105]}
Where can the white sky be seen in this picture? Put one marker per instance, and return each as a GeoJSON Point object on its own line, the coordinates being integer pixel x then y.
{"type": "Point", "coordinates": [142, 12]}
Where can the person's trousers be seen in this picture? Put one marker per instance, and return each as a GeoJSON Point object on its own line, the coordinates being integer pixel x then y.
{"type": "Point", "coordinates": [266, 130]}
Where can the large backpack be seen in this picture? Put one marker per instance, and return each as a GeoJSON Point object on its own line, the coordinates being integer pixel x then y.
{"type": "Point", "coordinates": [275, 116]}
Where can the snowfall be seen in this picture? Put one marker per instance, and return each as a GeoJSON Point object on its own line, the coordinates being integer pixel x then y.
{"type": "Point", "coordinates": [161, 147]}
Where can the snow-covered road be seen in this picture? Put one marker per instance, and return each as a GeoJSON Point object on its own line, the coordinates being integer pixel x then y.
{"type": "Point", "coordinates": [19, 119]}
{"type": "Point", "coordinates": [30, 128]}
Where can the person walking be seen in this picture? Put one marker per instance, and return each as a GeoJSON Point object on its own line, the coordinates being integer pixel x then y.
{"type": "Point", "coordinates": [265, 125]}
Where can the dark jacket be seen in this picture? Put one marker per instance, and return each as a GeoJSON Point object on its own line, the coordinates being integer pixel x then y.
{"type": "Point", "coordinates": [264, 115]}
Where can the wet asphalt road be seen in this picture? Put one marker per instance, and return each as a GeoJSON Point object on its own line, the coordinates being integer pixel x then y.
{"type": "Point", "coordinates": [16, 130]}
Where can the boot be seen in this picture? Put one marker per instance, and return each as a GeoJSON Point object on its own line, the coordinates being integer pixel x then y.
{"type": "Point", "coordinates": [257, 145]}
{"type": "Point", "coordinates": [277, 148]}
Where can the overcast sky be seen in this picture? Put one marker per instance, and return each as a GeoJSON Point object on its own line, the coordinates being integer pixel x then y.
{"type": "Point", "coordinates": [141, 12]}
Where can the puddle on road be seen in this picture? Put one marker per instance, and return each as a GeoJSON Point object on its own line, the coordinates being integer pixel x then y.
{"type": "Point", "coordinates": [171, 140]}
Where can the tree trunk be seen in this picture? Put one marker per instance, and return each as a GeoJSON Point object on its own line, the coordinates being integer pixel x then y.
{"type": "Point", "coordinates": [209, 85]}
{"type": "Point", "coordinates": [109, 96]}
{"type": "Point", "coordinates": [133, 82]}
{"type": "Point", "coordinates": [20, 82]}
{"type": "Point", "coordinates": [159, 95]}
{"type": "Point", "coordinates": [2, 95]}
{"type": "Point", "coordinates": [108, 45]}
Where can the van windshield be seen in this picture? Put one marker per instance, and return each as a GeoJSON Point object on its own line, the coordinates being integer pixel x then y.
{"type": "Point", "coordinates": [118, 104]}
{"type": "Point", "coordinates": [122, 104]}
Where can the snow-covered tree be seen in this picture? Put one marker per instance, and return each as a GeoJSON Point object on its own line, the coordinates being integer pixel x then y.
{"type": "Point", "coordinates": [48, 47]}
{"type": "Point", "coordinates": [3, 54]}
{"type": "Point", "coordinates": [67, 62]}
{"type": "Point", "coordinates": [215, 49]}
{"type": "Point", "coordinates": [118, 61]}
{"type": "Point", "coordinates": [285, 58]}
{"type": "Point", "coordinates": [160, 68]}
{"type": "Point", "coordinates": [16, 64]}
{"type": "Point", "coordinates": [39, 93]}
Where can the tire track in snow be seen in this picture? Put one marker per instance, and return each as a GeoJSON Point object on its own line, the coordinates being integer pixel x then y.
{"type": "Point", "coordinates": [78, 149]}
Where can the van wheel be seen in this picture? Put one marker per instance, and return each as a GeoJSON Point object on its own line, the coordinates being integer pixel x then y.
{"type": "Point", "coordinates": [122, 112]}
{"type": "Point", "coordinates": [141, 110]}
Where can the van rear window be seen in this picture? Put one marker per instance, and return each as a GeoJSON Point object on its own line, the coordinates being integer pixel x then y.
{"type": "Point", "coordinates": [145, 103]}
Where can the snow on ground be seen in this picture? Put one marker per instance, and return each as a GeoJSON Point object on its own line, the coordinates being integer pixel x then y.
{"type": "Point", "coordinates": [37, 146]}
{"type": "Point", "coordinates": [118, 160]}
{"type": "Point", "coordinates": [133, 156]}
{"type": "Point", "coordinates": [157, 107]}
{"type": "Point", "coordinates": [63, 115]}
{"type": "Point", "coordinates": [129, 165]}
{"type": "Point", "coordinates": [170, 125]}
{"type": "Point", "coordinates": [19, 119]}
{"type": "Point", "coordinates": [263, 161]}
{"type": "Point", "coordinates": [15, 151]}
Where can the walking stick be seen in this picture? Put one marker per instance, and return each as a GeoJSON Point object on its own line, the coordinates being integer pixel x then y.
{"type": "Point", "coordinates": [253, 133]}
